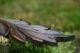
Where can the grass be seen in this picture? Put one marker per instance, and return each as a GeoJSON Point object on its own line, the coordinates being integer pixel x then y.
{"type": "Point", "coordinates": [63, 15]}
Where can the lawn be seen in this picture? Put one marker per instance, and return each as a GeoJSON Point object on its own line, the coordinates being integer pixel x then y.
{"type": "Point", "coordinates": [61, 15]}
